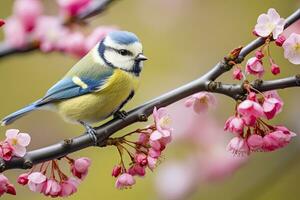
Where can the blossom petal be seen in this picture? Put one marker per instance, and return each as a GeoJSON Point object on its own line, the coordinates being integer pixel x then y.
{"type": "Point", "coordinates": [11, 133]}
{"type": "Point", "coordinates": [23, 139]}
{"type": "Point", "coordinates": [19, 151]}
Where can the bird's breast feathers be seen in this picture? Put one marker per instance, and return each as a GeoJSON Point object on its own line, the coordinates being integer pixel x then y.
{"type": "Point", "coordinates": [101, 103]}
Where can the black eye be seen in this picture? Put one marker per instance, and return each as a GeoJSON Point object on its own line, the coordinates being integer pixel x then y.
{"type": "Point", "coordinates": [124, 52]}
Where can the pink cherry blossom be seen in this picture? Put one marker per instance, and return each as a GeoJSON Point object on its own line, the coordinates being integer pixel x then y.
{"type": "Point", "coordinates": [50, 33]}
{"type": "Point", "coordinates": [250, 108]}
{"type": "Point", "coordinates": [75, 44]}
{"type": "Point", "coordinates": [201, 101]}
{"type": "Point", "coordinates": [51, 188]}
{"type": "Point", "coordinates": [96, 36]}
{"type": "Point", "coordinates": [23, 179]}
{"type": "Point", "coordinates": [137, 170]}
{"type": "Point", "coordinates": [255, 142]}
{"type": "Point", "coordinates": [280, 40]}
{"type": "Point", "coordinates": [69, 187]}
{"type": "Point", "coordinates": [238, 146]}
{"type": "Point", "coordinates": [272, 94]}
{"type": "Point", "coordinates": [5, 186]}
{"type": "Point", "coordinates": [141, 159]}
{"type": "Point", "coordinates": [27, 11]}
{"type": "Point", "coordinates": [13, 26]}
{"type": "Point", "coordinates": [162, 122]}
{"type": "Point", "coordinates": [6, 150]}
{"type": "Point", "coordinates": [234, 124]}
{"type": "Point", "coordinates": [152, 162]}
{"type": "Point", "coordinates": [116, 171]}
{"type": "Point", "coordinates": [275, 69]}
{"type": "Point", "coordinates": [291, 48]}
{"type": "Point", "coordinates": [276, 139]}
{"type": "Point", "coordinates": [259, 54]}
{"type": "Point", "coordinates": [80, 167]}
{"type": "Point", "coordinates": [72, 7]}
{"type": "Point", "coordinates": [36, 181]}
{"type": "Point", "coordinates": [269, 23]}
{"type": "Point", "coordinates": [237, 74]}
{"type": "Point", "coordinates": [285, 131]}
{"type": "Point", "coordinates": [271, 107]}
{"type": "Point", "coordinates": [124, 181]}
{"type": "Point", "coordinates": [255, 67]}
{"type": "Point", "coordinates": [18, 140]}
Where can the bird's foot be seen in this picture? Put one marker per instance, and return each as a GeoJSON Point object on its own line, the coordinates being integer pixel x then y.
{"type": "Point", "coordinates": [90, 131]}
{"type": "Point", "coordinates": [121, 114]}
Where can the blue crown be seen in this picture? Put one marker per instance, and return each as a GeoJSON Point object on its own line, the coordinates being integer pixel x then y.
{"type": "Point", "coordinates": [123, 37]}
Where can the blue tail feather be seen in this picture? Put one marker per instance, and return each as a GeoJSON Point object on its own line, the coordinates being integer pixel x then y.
{"type": "Point", "coordinates": [14, 116]}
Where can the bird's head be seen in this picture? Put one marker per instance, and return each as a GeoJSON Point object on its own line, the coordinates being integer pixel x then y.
{"type": "Point", "coordinates": [122, 49]}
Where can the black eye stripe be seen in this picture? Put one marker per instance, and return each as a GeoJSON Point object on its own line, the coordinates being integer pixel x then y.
{"type": "Point", "coordinates": [123, 52]}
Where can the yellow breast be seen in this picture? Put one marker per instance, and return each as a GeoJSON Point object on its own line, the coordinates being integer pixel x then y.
{"type": "Point", "coordinates": [99, 105]}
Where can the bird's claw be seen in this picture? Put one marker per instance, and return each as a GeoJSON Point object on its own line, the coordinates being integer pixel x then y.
{"type": "Point", "coordinates": [122, 114]}
{"type": "Point", "coordinates": [90, 131]}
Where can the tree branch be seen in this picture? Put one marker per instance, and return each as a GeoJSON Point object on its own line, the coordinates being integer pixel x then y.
{"type": "Point", "coordinates": [96, 7]}
{"type": "Point", "coordinates": [141, 113]}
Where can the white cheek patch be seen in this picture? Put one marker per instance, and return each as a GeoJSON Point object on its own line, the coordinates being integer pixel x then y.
{"type": "Point", "coordinates": [118, 60]}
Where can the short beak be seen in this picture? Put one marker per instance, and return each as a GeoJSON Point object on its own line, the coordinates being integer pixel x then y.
{"type": "Point", "coordinates": [141, 57]}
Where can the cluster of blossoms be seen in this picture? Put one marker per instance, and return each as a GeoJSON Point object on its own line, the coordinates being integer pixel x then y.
{"type": "Point", "coordinates": [146, 151]}
{"type": "Point", "coordinates": [59, 185]}
{"type": "Point", "coordinates": [252, 133]}
{"type": "Point", "coordinates": [270, 26]}
{"type": "Point", "coordinates": [49, 32]}
{"type": "Point", "coordinates": [14, 145]}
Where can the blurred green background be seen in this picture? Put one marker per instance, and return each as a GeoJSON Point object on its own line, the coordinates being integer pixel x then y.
{"type": "Point", "coordinates": [182, 39]}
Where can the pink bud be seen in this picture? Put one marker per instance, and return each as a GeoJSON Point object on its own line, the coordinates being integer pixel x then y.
{"type": "Point", "coordinates": [124, 181]}
{"type": "Point", "coordinates": [275, 69]}
{"type": "Point", "coordinates": [27, 11]}
{"type": "Point", "coordinates": [237, 74]}
{"type": "Point", "coordinates": [255, 67]}
{"type": "Point", "coordinates": [68, 187]}
{"type": "Point", "coordinates": [255, 142]}
{"type": "Point", "coordinates": [11, 189]}
{"type": "Point", "coordinates": [141, 159]}
{"type": "Point", "coordinates": [249, 107]}
{"type": "Point", "coordinates": [137, 170]}
{"type": "Point", "coordinates": [238, 146]}
{"type": "Point", "coordinates": [36, 181]}
{"type": "Point", "coordinates": [259, 54]}
{"type": "Point", "coordinates": [116, 171]}
{"type": "Point", "coordinates": [272, 107]}
{"type": "Point", "coordinates": [151, 162]}
{"type": "Point", "coordinates": [23, 179]}
{"type": "Point", "coordinates": [234, 125]}
{"type": "Point", "coordinates": [51, 188]}
{"type": "Point", "coordinates": [2, 22]}
{"type": "Point", "coordinates": [280, 40]}
{"type": "Point", "coordinates": [154, 153]}
{"type": "Point", "coordinates": [80, 167]}
{"type": "Point", "coordinates": [276, 139]}
{"type": "Point", "coordinates": [6, 150]}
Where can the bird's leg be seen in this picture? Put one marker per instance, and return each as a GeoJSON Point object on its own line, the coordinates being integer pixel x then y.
{"type": "Point", "coordinates": [121, 114]}
{"type": "Point", "coordinates": [90, 130]}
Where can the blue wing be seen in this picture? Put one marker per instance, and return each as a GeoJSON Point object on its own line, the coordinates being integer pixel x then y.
{"type": "Point", "coordinates": [67, 88]}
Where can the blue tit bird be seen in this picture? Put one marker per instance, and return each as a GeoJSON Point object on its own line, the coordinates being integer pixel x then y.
{"type": "Point", "coordinates": [96, 87]}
